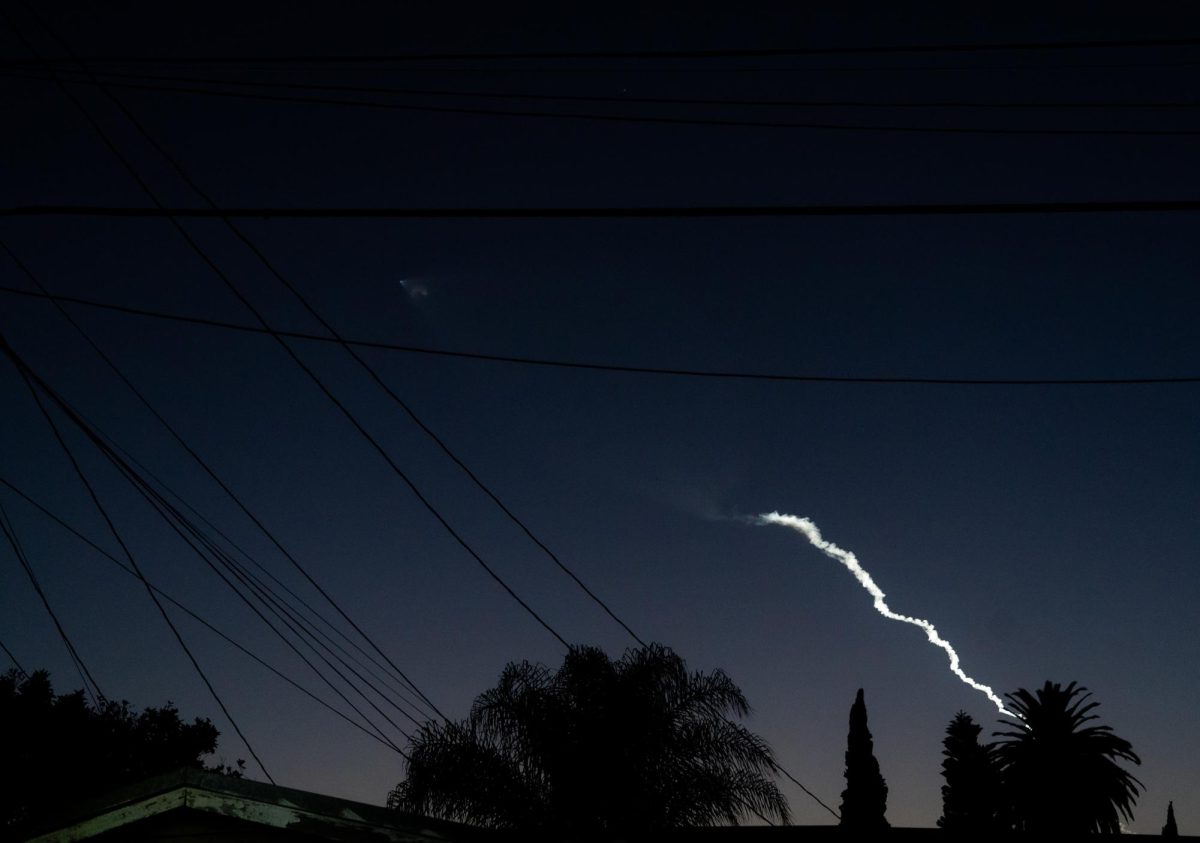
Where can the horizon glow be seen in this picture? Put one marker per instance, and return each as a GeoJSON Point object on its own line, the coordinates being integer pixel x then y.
{"type": "Point", "coordinates": [811, 532]}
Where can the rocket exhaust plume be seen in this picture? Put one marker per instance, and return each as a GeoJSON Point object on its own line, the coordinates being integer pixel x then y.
{"type": "Point", "coordinates": [850, 561]}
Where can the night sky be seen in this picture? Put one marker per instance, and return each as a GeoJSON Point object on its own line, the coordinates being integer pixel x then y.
{"type": "Point", "coordinates": [1050, 532]}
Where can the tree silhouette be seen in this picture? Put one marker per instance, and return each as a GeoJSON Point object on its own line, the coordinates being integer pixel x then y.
{"type": "Point", "coordinates": [1060, 775]}
{"type": "Point", "coordinates": [970, 797]}
{"type": "Point", "coordinates": [864, 801]}
{"type": "Point", "coordinates": [639, 743]}
{"type": "Point", "coordinates": [1170, 829]}
{"type": "Point", "coordinates": [60, 749]}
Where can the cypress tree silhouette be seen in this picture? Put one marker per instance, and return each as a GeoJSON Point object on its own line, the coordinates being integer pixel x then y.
{"type": "Point", "coordinates": [1170, 829]}
{"type": "Point", "coordinates": [971, 794]}
{"type": "Point", "coordinates": [864, 801]}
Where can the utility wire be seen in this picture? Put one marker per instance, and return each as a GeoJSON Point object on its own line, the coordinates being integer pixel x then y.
{"type": "Point", "coordinates": [560, 212]}
{"type": "Point", "coordinates": [634, 100]}
{"type": "Point", "coordinates": [196, 248]}
{"type": "Point", "coordinates": [797, 783]}
{"type": "Point", "coordinates": [192, 614]}
{"type": "Point", "coordinates": [90, 685]}
{"type": "Point", "coordinates": [399, 690]}
{"type": "Point", "coordinates": [191, 535]}
{"type": "Point", "coordinates": [313, 629]}
{"type": "Point", "coordinates": [660, 69]}
{"type": "Point", "coordinates": [204, 547]}
{"type": "Point", "coordinates": [720, 53]}
{"type": "Point", "coordinates": [24, 268]}
{"type": "Point", "coordinates": [20, 670]}
{"type": "Point", "coordinates": [30, 377]}
{"type": "Point", "coordinates": [369, 370]}
{"type": "Point", "coordinates": [196, 542]}
{"type": "Point", "coordinates": [716, 374]}
{"type": "Point", "coordinates": [350, 350]}
{"type": "Point", "coordinates": [784, 771]}
{"type": "Point", "coordinates": [647, 119]}
{"type": "Point", "coordinates": [150, 194]}
{"type": "Point", "coordinates": [347, 347]}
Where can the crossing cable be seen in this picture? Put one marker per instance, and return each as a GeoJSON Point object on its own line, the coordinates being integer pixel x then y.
{"type": "Point", "coordinates": [562, 70]}
{"type": "Point", "coordinates": [127, 165]}
{"type": "Point", "coordinates": [199, 251]}
{"type": "Point", "coordinates": [200, 544]}
{"type": "Point", "coordinates": [358, 359]}
{"type": "Point", "coordinates": [90, 685]}
{"type": "Point", "coordinates": [196, 542]}
{"type": "Point", "coordinates": [364, 365]}
{"type": "Point", "coordinates": [29, 376]}
{"type": "Point", "coordinates": [304, 367]}
{"type": "Point", "coordinates": [291, 353]}
{"type": "Point", "coordinates": [720, 53]}
{"type": "Point", "coordinates": [25, 269]}
{"type": "Point", "coordinates": [20, 670]}
{"type": "Point", "coordinates": [163, 508]}
{"type": "Point", "coordinates": [639, 119]}
{"type": "Point", "coordinates": [1007, 105]}
{"type": "Point", "coordinates": [610, 212]}
{"type": "Point", "coordinates": [606, 367]}
{"type": "Point", "coordinates": [192, 614]}
{"type": "Point", "coordinates": [313, 629]}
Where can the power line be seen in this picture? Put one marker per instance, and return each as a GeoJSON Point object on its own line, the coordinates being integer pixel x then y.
{"type": "Point", "coordinates": [370, 371]}
{"type": "Point", "coordinates": [311, 374]}
{"type": "Point", "coordinates": [204, 548]}
{"type": "Point", "coordinates": [662, 70]}
{"type": "Point", "coordinates": [904, 209]}
{"type": "Point", "coordinates": [91, 686]}
{"type": "Point", "coordinates": [716, 374]}
{"type": "Point", "coordinates": [20, 670]}
{"type": "Point", "coordinates": [30, 378]}
{"type": "Point", "coordinates": [649, 119]}
{"type": "Point", "coordinates": [720, 53]}
{"type": "Point", "coordinates": [208, 261]}
{"type": "Point", "coordinates": [192, 614]}
{"type": "Point", "coordinates": [310, 627]}
{"type": "Point", "coordinates": [637, 100]}
{"type": "Point", "coordinates": [25, 269]}
{"type": "Point", "coordinates": [796, 782]}
{"type": "Point", "coordinates": [326, 391]}
{"type": "Point", "coordinates": [199, 543]}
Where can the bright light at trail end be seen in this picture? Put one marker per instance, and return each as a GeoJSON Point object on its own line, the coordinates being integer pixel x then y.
{"type": "Point", "coordinates": [850, 561]}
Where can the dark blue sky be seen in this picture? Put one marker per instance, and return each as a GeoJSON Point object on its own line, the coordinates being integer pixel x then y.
{"type": "Point", "coordinates": [1050, 532]}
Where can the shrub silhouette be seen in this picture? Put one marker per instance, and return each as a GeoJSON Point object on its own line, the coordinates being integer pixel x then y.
{"type": "Point", "coordinates": [61, 749]}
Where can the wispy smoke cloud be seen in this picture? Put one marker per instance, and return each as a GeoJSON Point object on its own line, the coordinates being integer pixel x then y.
{"type": "Point", "coordinates": [415, 289]}
{"type": "Point", "coordinates": [850, 561]}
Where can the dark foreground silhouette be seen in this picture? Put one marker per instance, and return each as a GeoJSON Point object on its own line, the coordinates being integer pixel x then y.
{"type": "Point", "coordinates": [63, 749]}
{"type": "Point", "coordinates": [864, 801]}
{"type": "Point", "coordinates": [597, 746]}
{"type": "Point", "coordinates": [603, 748]}
{"type": "Point", "coordinates": [1054, 771]}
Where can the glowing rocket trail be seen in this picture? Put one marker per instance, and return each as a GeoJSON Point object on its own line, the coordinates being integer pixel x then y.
{"type": "Point", "coordinates": [810, 531]}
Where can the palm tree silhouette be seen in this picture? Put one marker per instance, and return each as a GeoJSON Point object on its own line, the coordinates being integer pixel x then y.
{"type": "Point", "coordinates": [1060, 775]}
{"type": "Point", "coordinates": [639, 743]}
